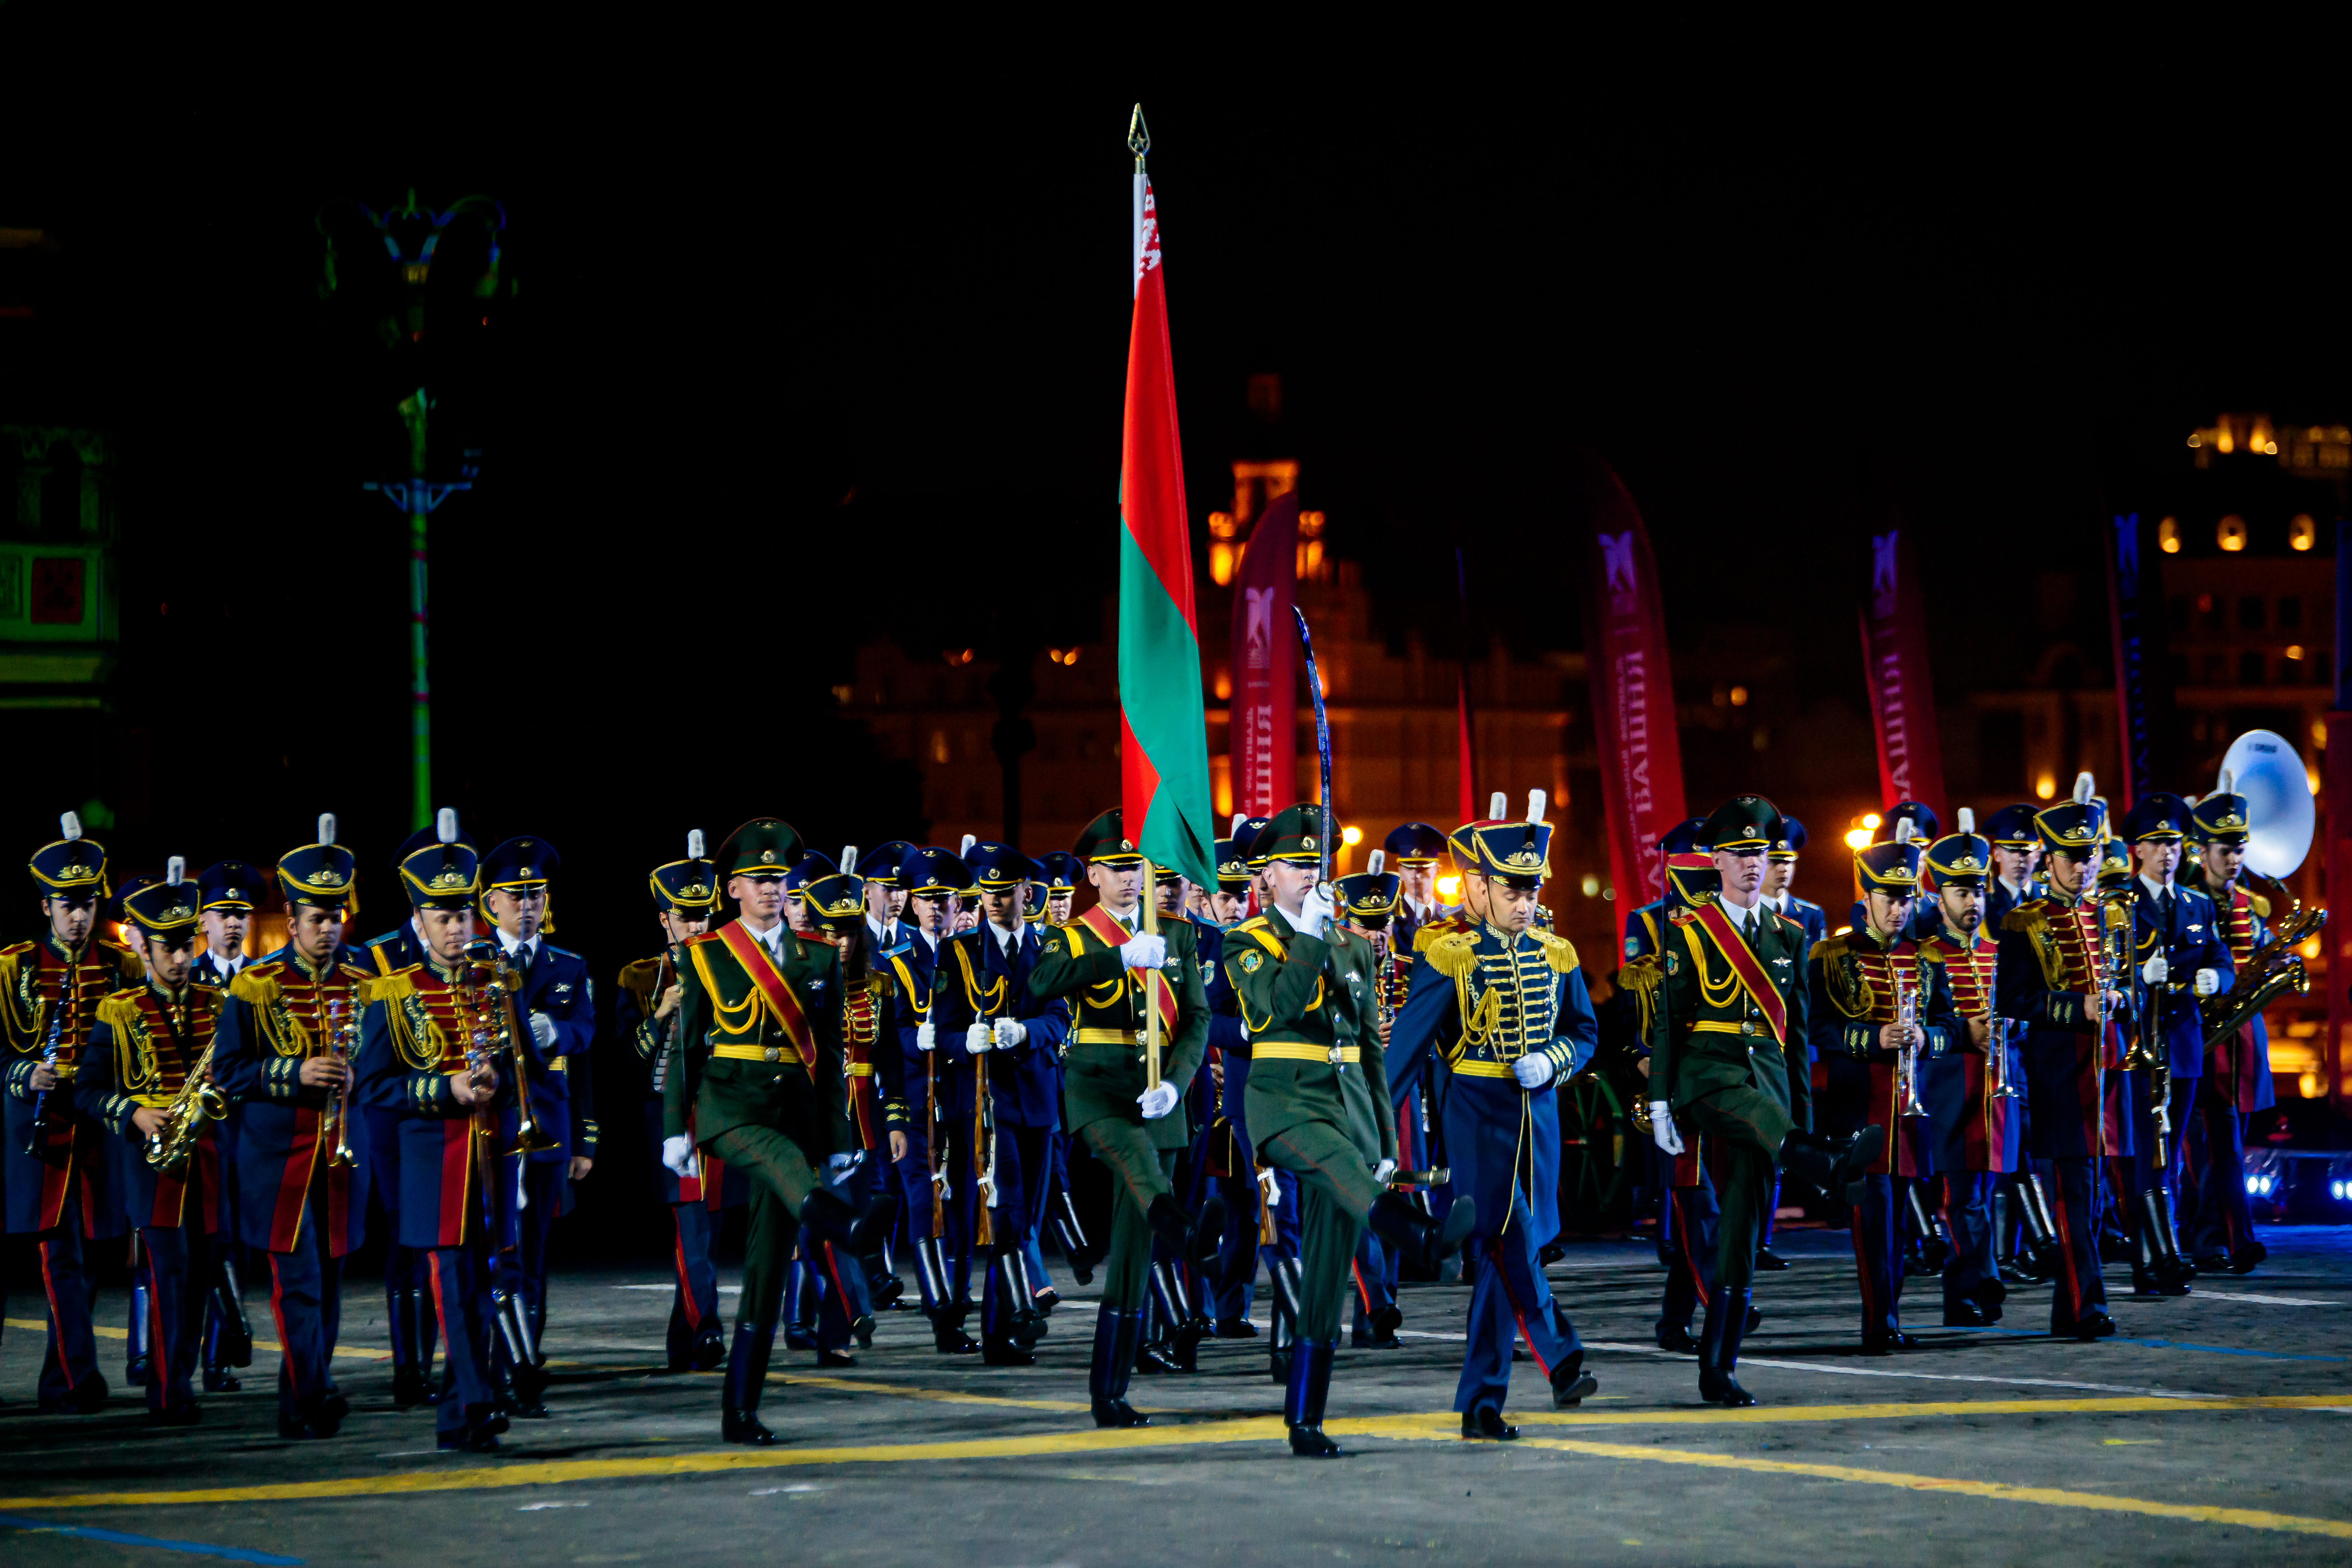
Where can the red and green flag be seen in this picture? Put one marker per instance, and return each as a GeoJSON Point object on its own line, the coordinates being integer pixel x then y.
{"type": "Point", "coordinates": [1163, 730]}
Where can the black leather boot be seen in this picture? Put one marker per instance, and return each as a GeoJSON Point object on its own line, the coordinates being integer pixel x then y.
{"type": "Point", "coordinates": [1302, 1402]}
{"type": "Point", "coordinates": [746, 1376]}
{"type": "Point", "coordinates": [1116, 1333]}
{"type": "Point", "coordinates": [1421, 1238]}
{"type": "Point", "coordinates": [1719, 1349]}
{"type": "Point", "coordinates": [1284, 1339]}
{"type": "Point", "coordinates": [1828, 1165]}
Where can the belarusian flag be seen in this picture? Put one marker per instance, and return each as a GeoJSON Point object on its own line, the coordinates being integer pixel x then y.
{"type": "Point", "coordinates": [1164, 732]}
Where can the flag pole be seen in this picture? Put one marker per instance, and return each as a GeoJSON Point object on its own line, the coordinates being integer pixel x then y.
{"type": "Point", "coordinates": [1138, 142]}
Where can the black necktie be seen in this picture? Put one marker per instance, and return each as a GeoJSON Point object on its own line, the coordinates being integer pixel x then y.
{"type": "Point", "coordinates": [2167, 915]}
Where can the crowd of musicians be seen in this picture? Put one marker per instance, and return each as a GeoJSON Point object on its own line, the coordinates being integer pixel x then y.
{"type": "Point", "coordinates": [913, 1062]}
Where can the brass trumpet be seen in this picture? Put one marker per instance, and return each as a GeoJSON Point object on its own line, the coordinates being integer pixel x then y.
{"type": "Point", "coordinates": [529, 1139]}
{"type": "Point", "coordinates": [342, 1039]}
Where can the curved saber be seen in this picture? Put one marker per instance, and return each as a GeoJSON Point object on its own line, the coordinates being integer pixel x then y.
{"type": "Point", "coordinates": [1322, 733]}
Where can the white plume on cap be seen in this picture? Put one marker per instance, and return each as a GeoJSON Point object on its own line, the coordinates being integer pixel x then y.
{"type": "Point", "coordinates": [175, 870]}
{"type": "Point", "coordinates": [849, 857]}
{"type": "Point", "coordinates": [445, 826]}
{"type": "Point", "coordinates": [1536, 801]}
{"type": "Point", "coordinates": [326, 828]}
{"type": "Point", "coordinates": [1902, 828]}
{"type": "Point", "coordinates": [969, 840]}
{"type": "Point", "coordinates": [2229, 782]}
{"type": "Point", "coordinates": [1497, 803]}
{"type": "Point", "coordinates": [70, 824]}
{"type": "Point", "coordinates": [2083, 789]}
{"type": "Point", "coordinates": [1375, 860]}
{"type": "Point", "coordinates": [694, 844]}
{"type": "Point", "coordinates": [1235, 830]}
{"type": "Point", "coordinates": [1966, 819]}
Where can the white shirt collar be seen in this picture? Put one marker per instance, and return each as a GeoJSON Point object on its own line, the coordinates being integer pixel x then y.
{"type": "Point", "coordinates": [515, 944]}
{"type": "Point", "coordinates": [2156, 889]}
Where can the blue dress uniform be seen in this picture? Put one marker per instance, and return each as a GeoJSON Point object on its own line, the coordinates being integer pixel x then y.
{"type": "Point", "coordinates": [1367, 905]}
{"type": "Point", "coordinates": [921, 1100]}
{"type": "Point", "coordinates": [1509, 1014]}
{"type": "Point", "coordinates": [698, 1333]}
{"type": "Point", "coordinates": [148, 1043]}
{"type": "Point", "coordinates": [2237, 1082]}
{"type": "Point", "coordinates": [1053, 887]}
{"type": "Point", "coordinates": [558, 1002]}
{"type": "Point", "coordinates": [1410, 847]}
{"type": "Point", "coordinates": [988, 1031]}
{"type": "Point", "coordinates": [2022, 1240]}
{"type": "Point", "coordinates": [425, 1027]}
{"type": "Point", "coordinates": [803, 1297]}
{"type": "Point", "coordinates": [60, 1173]}
{"type": "Point", "coordinates": [2179, 923]}
{"type": "Point", "coordinates": [407, 1286]}
{"type": "Point", "coordinates": [1856, 985]}
{"type": "Point", "coordinates": [232, 886]}
{"type": "Point", "coordinates": [296, 1199]}
{"type": "Point", "coordinates": [1972, 1093]}
{"type": "Point", "coordinates": [2052, 973]}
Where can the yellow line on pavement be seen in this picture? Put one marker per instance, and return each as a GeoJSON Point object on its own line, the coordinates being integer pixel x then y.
{"type": "Point", "coordinates": [944, 1397]}
{"type": "Point", "coordinates": [106, 1333]}
{"type": "Point", "coordinates": [2133, 1405]}
{"type": "Point", "coordinates": [2049, 1497]}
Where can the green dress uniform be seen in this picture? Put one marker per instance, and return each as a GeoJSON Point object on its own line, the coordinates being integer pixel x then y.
{"type": "Point", "coordinates": [1104, 1076]}
{"type": "Point", "coordinates": [1728, 1055]}
{"type": "Point", "coordinates": [758, 1082]}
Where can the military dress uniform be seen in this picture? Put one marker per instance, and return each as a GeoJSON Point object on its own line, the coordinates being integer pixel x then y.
{"type": "Point", "coordinates": [59, 1170]}
{"type": "Point", "coordinates": [407, 1287]}
{"type": "Point", "coordinates": [1368, 903]}
{"type": "Point", "coordinates": [227, 885]}
{"type": "Point", "coordinates": [696, 1338]}
{"type": "Point", "coordinates": [989, 1035]}
{"type": "Point", "coordinates": [426, 1026]}
{"type": "Point", "coordinates": [1508, 1017]}
{"type": "Point", "coordinates": [1111, 973]}
{"type": "Point", "coordinates": [1177, 1302]}
{"type": "Point", "coordinates": [146, 1045]}
{"type": "Point", "coordinates": [1227, 1158]}
{"type": "Point", "coordinates": [921, 1101]}
{"type": "Point", "coordinates": [1976, 1140]}
{"type": "Point", "coordinates": [558, 1002]}
{"type": "Point", "coordinates": [1857, 985]}
{"type": "Point", "coordinates": [1410, 846]}
{"type": "Point", "coordinates": [2179, 923]}
{"type": "Point", "coordinates": [1052, 888]}
{"type": "Point", "coordinates": [2051, 976]}
{"type": "Point", "coordinates": [295, 1200]}
{"type": "Point", "coordinates": [760, 1084]}
{"type": "Point", "coordinates": [2025, 1245]}
{"type": "Point", "coordinates": [2237, 1081]}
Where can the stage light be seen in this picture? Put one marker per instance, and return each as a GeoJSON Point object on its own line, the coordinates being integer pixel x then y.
{"type": "Point", "coordinates": [1871, 820]}
{"type": "Point", "coordinates": [1857, 839]}
{"type": "Point", "coordinates": [1590, 885]}
{"type": "Point", "coordinates": [1449, 886]}
{"type": "Point", "coordinates": [1351, 837]}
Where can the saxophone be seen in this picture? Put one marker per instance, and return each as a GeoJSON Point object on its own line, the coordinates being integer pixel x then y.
{"type": "Point", "coordinates": [2274, 969]}
{"type": "Point", "coordinates": [196, 1107]}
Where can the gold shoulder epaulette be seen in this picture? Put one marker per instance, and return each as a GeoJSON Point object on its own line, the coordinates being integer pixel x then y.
{"type": "Point", "coordinates": [127, 963]}
{"type": "Point", "coordinates": [2259, 904]}
{"type": "Point", "coordinates": [2025, 917]}
{"type": "Point", "coordinates": [255, 982]}
{"type": "Point", "coordinates": [1828, 948]}
{"type": "Point", "coordinates": [1453, 956]}
{"type": "Point", "coordinates": [1425, 937]}
{"type": "Point", "coordinates": [1559, 951]}
{"type": "Point", "coordinates": [398, 986]}
{"type": "Point", "coordinates": [17, 949]}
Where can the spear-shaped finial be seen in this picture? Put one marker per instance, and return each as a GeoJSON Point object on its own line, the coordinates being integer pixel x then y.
{"type": "Point", "coordinates": [1139, 137]}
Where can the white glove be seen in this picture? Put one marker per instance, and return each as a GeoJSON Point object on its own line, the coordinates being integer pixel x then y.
{"type": "Point", "coordinates": [542, 1028]}
{"type": "Point", "coordinates": [677, 1153]}
{"type": "Point", "coordinates": [1533, 1071]}
{"type": "Point", "coordinates": [979, 1039]}
{"type": "Point", "coordinates": [2209, 981]}
{"type": "Point", "coordinates": [1662, 1127]}
{"type": "Point", "coordinates": [2155, 972]}
{"type": "Point", "coordinates": [1158, 1101]}
{"type": "Point", "coordinates": [1268, 1187]}
{"type": "Point", "coordinates": [1383, 1172]}
{"type": "Point", "coordinates": [839, 1165]}
{"type": "Point", "coordinates": [1011, 1032]}
{"type": "Point", "coordinates": [1144, 951]}
{"type": "Point", "coordinates": [926, 1035]}
{"type": "Point", "coordinates": [1314, 911]}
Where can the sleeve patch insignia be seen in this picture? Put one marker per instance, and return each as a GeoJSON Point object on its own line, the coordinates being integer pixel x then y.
{"type": "Point", "coordinates": [1053, 944]}
{"type": "Point", "coordinates": [1250, 961]}
{"type": "Point", "coordinates": [1674, 962]}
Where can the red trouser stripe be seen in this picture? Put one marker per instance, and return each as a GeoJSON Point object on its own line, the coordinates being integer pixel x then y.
{"type": "Point", "coordinates": [159, 1374]}
{"type": "Point", "coordinates": [278, 1313]}
{"type": "Point", "coordinates": [457, 1154]}
{"type": "Point", "coordinates": [685, 1285]}
{"type": "Point", "coordinates": [1361, 1294]}
{"type": "Point", "coordinates": [2066, 1254]}
{"type": "Point", "coordinates": [57, 1332]}
{"type": "Point", "coordinates": [1503, 1277]}
{"type": "Point", "coordinates": [1690, 1254]}
{"type": "Point", "coordinates": [1871, 1315]}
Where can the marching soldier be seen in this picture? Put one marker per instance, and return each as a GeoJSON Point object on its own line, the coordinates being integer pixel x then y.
{"type": "Point", "coordinates": [145, 1079]}
{"type": "Point", "coordinates": [290, 1028]}
{"type": "Point", "coordinates": [2237, 1082]}
{"type": "Point", "coordinates": [646, 1015]}
{"type": "Point", "coordinates": [439, 1044]}
{"type": "Point", "coordinates": [1318, 1098]}
{"type": "Point", "coordinates": [760, 1083]}
{"type": "Point", "coordinates": [1977, 1144]}
{"type": "Point", "coordinates": [1780, 898]}
{"type": "Point", "coordinates": [225, 891]}
{"type": "Point", "coordinates": [836, 910]}
{"type": "Point", "coordinates": [996, 1039]}
{"type": "Point", "coordinates": [810, 866]}
{"type": "Point", "coordinates": [2016, 856]}
{"type": "Point", "coordinates": [1174, 1321]}
{"type": "Point", "coordinates": [2056, 982]}
{"type": "Point", "coordinates": [557, 1001]}
{"type": "Point", "coordinates": [1645, 927]}
{"type": "Point", "coordinates": [1368, 904]}
{"type": "Point", "coordinates": [884, 898]}
{"type": "Point", "coordinates": [1411, 851]}
{"type": "Point", "coordinates": [925, 1094]}
{"type": "Point", "coordinates": [1503, 1005]}
{"type": "Point", "coordinates": [1063, 873]}
{"type": "Point", "coordinates": [60, 1177]}
{"type": "Point", "coordinates": [1112, 972]}
{"type": "Point", "coordinates": [2182, 958]}
{"type": "Point", "coordinates": [2024, 1241]}
{"type": "Point", "coordinates": [1053, 886]}
{"type": "Point", "coordinates": [1876, 1001]}
{"type": "Point", "coordinates": [1726, 1057]}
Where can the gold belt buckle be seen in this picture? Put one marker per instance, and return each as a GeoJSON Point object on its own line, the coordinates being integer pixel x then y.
{"type": "Point", "coordinates": [773, 1054]}
{"type": "Point", "coordinates": [1746, 1026]}
{"type": "Point", "coordinates": [1338, 1058]}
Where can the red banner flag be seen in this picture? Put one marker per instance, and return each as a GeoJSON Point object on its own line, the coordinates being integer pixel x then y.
{"type": "Point", "coordinates": [1265, 664]}
{"type": "Point", "coordinates": [1632, 687]}
{"type": "Point", "coordinates": [1895, 663]}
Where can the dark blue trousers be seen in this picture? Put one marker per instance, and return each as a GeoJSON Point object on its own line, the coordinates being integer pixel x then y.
{"type": "Point", "coordinates": [1877, 1222]}
{"type": "Point", "coordinates": [71, 1356]}
{"type": "Point", "coordinates": [306, 1300]}
{"type": "Point", "coordinates": [178, 1261]}
{"type": "Point", "coordinates": [461, 1278]}
{"type": "Point", "coordinates": [694, 1315]}
{"type": "Point", "coordinates": [1686, 1240]}
{"type": "Point", "coordinates": [1966, 1200]}
{"type": "Point", "coordinates": [1511, 1300]}
{"type": "Point", "coordinates": [2074, 1207]}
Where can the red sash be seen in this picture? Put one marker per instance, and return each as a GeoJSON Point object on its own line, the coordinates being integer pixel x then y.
{"type": "Point", "coordinates": [1744, 964]}
{"type": "Point", "coordinates": [752, 955]}
{"type": "Point", "coordinates": [1100, 921]}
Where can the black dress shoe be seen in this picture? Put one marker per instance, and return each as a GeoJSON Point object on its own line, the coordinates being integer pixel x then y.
{"type": "Point", "coordinates": [1308, 1443]}
{"type": "Point", "coordinates": [836, 1359]}
{"type": "Point", "coordinates": [1718, 1388]}
{"type": "Point", "coordinates": [2245, 1259]}
{"type": "Point", "coordinates": [1676, 1337]}
{"type": "Point", "coordinates": [480, 1438]}
{"type": "Point", "coordinates": [1387, 1322]}
{"type": "Point", "coordinates": [2159, 1284]}
{"type": "Point", "coordinates": [1048, 1299]}
{"type": "Point", "coordinates": [292, 1429]}
{"type": "Point", "coordinates": [951, 1340]}
{"type": "Point", "coordinates": [1237, 1329]}
{"type": "Point", "coordinates": [1875, 1344]}
{"type": "Point", "coordinates": [1157, 1360]}
{"type": "Point", "coordinates": [1570, 1384]}
{"type": "Point", "coordinates": [800, 1336]}
{"type": "Point", "coordinates": [2210, 1263]}
{"type": "Point", "coordinates": [885, 1292]}
{"type": "Point", "coordinates": [331, 1412]}
{"type": "Point", "coordinates": [2094, 1325]}
{"type": "Point", "coordinates": [409, 1388]}
{"type": "Point", "coordinates": [220, 1380]}
{"type": "Point", "coordinates": [1903, 1342]}
{"type": "Point", "coordinates": [186, 1415]}
{"type": "Point", "coordinates": [746, 1428]}
{"type": "Point", "coordinates": [709, 1352]}
{"type": "Point", "coordinates": [1754, 1318]}
{"type": "Point", "coordinates": [1486, 1421]}
{"type": "Point", "coordinates": [1004, 1352]}
{"type": "Point", "coordinates": [1964, 1314]}
{"type": "Point", "coordinates": [1119, 1413]}
{"type": "Point", "coordinates": [1768, 1261]}
{"type": "Point", "coordinates": [1373, 1339]}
